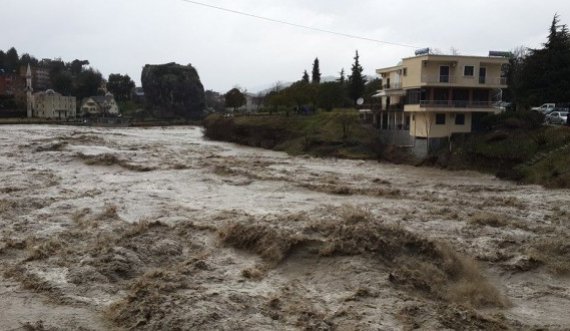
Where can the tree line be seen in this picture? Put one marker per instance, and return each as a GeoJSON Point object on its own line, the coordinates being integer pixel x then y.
{"type": "Point", "coordinates": [74, 78]}
{"type": "Point", "coordinates": [541, 75]}
{"type": "Point", "coordinates": [310, 91]}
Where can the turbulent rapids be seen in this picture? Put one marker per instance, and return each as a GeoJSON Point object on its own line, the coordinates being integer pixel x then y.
{"type": "Point", "coordinates": [158, 228]}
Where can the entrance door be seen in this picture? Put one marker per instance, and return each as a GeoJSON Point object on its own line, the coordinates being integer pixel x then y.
{"type": "Point", "coordinates": [444, 74]}
{"type": "Point", "coordinates": [477, 121]}
{"type": "Point", "coordinates": [482, 75]}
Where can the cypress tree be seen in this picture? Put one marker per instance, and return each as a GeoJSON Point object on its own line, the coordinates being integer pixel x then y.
{"type": "Point", "coordinates": [316, 78]}
{"type": "Point", "coordinates": [356, 82]}
{"type": "Point", "coordinates": [12, 60]}
{"type": "Point", "coordinates": [342, 78]}
{"type": "Point", "coordinates": [305, 78]}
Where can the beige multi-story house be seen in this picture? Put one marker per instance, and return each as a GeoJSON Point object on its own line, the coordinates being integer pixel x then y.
{"type": "Point", "coordinates": [429, 97]}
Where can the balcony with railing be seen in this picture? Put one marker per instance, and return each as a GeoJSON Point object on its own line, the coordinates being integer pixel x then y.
{"type": "Point", "coordinates": [392, 86]}
{"type": "Point", "coordinates": [445, 79]}
{"type": "Point", "coordinates": [455, 104]}
{"type": "Point", "coordinates": [460, 80]}
{"type": "Point", "coordinates": [492, 80]}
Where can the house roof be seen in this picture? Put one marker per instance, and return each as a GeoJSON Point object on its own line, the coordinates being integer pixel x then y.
{"type": "Point", "coordinates": [101, 99]}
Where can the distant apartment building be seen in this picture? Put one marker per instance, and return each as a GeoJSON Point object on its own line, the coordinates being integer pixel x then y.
{"type": "Point", "coordinates": [427, 98]}
{"type": "Point", "coordinates": [10, 83]}
{"type": "Point", "coordinates": [42, 78]}
{"type": "Point", "coordinates": [52, 105]}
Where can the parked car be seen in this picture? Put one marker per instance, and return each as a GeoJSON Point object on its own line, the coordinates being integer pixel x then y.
{"type": "Point", "coordinates": [557, 117]}
{"type": "Point", "coordinates": [545, 108]}
{"type": "Point", "coordinates": [501, 106]}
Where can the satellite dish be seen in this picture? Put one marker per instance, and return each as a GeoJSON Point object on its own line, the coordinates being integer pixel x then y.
{"type": "Point", "coordinates": [360, 101]}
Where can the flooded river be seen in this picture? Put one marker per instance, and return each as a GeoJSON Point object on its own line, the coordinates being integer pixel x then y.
{"type": "Point", "coordinates": [159, 228]}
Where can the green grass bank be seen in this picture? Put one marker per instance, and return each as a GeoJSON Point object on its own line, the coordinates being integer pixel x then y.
{"type": "Point", "coordinates": [326, 134]}
{"type": "Point", "coordinates": [528, 155]}
{"type": "Point", "coordinates": [515, 147]}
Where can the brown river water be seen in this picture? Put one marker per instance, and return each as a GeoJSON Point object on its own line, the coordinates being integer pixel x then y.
{"type": "Point", "coordinates": [159, 228]}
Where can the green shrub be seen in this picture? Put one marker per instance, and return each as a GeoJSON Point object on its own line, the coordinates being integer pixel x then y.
{"type": "Point", "coordinates": [526, 119]}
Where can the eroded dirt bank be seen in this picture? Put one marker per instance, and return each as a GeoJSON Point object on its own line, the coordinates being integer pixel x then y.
{"type": "Point", "coordinates": [159, 229]}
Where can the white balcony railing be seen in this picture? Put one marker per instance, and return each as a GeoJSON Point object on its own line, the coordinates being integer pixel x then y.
{"type": "Point", "coordinates": [450, 79]}
{"type": "Point", "coordinates": [492, 80]}
{"type": "Point", "coordinates": [456, 103]}
{"type": "Point", "coordinates": [445, 79]}
{"type": "Point", "coordinates": [392, 86]}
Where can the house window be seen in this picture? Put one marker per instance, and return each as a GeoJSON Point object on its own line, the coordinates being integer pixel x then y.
{"type": "Point", "coordinates": [405, 71]}
{"type": "Point", "coordinates": [444, 74]}
{"type": "Point", "coordinates": [459, 119]}
{"type": "Point", "coordinates": [469, 71]}
{"type": "Point", "coordinates": [439, 119]}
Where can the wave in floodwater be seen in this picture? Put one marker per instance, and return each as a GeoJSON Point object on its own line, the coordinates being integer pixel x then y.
{"type": "Point", "coordinates": [159, 228]}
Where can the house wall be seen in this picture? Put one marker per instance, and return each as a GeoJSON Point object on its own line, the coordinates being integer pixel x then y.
{"type": "Point", "coordinates": [394, 100]}
{"type": "Point", "coordinates": [395, 78]}
{"type": "Point", "coordinates": [54, 106]}
{"type": "Point", "coordinates": [423, 125]}
{"type": "Point", "coordinates": [90, 107]}
{"type": "Point", "coordinates": [424, 70]}
{"type": "Point", "coordinates": [414, 72]}
{"type": "Point", "coordinates": [41, 80]}
{"type": "Point", "coordinates": [9, 84]}
{"type": "Point", "coordinates": [113, 107]}
{"type": "Point", "coordinates": [4, 85]}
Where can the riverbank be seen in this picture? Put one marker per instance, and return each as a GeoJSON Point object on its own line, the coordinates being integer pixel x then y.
{"type": "Point", "coordinates": [102, 122]}
{"type": "Point", "coordinates": [538, 155]}
{"type": "Point", "coordinates": [336, 134]}
{"type": "Point", "coordinates": [515, 148]}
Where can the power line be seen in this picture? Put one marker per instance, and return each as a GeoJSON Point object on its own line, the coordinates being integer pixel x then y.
{"type": "Point", "coordinates": [346, 35]}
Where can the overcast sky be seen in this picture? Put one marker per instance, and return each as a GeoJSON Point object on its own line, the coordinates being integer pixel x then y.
{"type": "Point", "coordinates": [121, 36]}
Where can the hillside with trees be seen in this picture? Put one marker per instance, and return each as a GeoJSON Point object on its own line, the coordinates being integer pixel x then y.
{"type": "Point", "coordinates": [173, 90]}
{"type": "Point", "coordinates": [68, 78]}
{"type": "Point", "coordinates": [310, 92]}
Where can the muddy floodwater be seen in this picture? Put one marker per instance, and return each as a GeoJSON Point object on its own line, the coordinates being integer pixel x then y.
{"type": "Point", "coordinates": [161, 229]}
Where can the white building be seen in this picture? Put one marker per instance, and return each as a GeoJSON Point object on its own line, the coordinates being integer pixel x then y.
{"type": "Point", "coordinates": [100, 105]}
{"type": "Point", "coordinates": [48, 104]}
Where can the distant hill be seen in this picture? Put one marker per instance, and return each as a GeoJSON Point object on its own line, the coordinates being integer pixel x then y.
{"type": "Point", "coordinates": [266, 88]}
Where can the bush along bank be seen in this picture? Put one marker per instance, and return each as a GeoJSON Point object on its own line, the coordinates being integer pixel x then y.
{"type": "Point", "coordinates": [326, 134]}
{"type": "Point", "coordinates": [516, 147]}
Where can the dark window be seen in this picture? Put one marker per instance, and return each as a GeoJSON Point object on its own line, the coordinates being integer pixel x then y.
{"type": "Point", "coordinates": [460, 119]}
{"type": "Point", "coordinates": [482, 75]}
{"type": "Point", "coordinates": [469, 71]}
{"type": "Point", "coordinates": [384, 121]}
{"type": "Point", "coordinates": [444, 74]}
{"type": "Point", "coordinates": [405, 71]}
{"type": "Point", "coordinates": [413, 97]}
{"type": "Point", "coordinates": [439, 119]}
